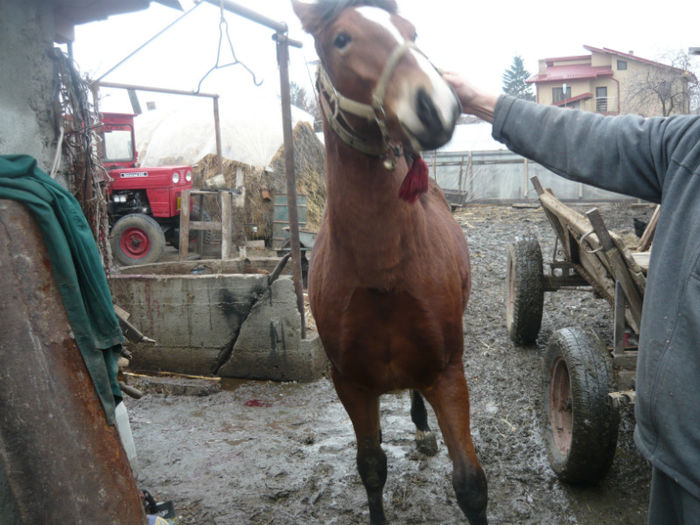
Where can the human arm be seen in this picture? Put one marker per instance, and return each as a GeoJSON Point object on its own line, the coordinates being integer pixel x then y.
{"type": "Point", "coordinates": [474, 101]}
{"type": "Point", "coordinates": [626, 154]}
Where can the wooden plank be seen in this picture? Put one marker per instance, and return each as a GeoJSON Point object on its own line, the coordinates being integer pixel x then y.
{"type": "Point", "coordinates": [617, 263]}
{"type": "Point", "coordinates": [648, 235]}
{"type": "Point", "coordinates": [619, 320]}
{"type": "Point", "coordinates": [225, 225]}
{"type": "Point", "coordinates": [642, 259]}
{"type": "Point", "coordinates": [184, 224]}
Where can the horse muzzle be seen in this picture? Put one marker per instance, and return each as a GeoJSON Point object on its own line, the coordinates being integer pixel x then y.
{"type": "Point", "coordinates": [435, 117]}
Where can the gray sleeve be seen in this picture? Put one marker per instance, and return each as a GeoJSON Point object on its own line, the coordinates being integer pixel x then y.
{"type": "Point", "coordinates": [626, 154]}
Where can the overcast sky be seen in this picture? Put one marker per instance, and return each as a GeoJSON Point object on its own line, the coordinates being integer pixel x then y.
{"type": "Point", "coordinates": [477, 39]}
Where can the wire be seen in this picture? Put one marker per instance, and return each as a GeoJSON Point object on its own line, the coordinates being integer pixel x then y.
{"type": "Point", "coordinates": [127, 57]}
{"type": "Point", "coordinates": [223, 28]}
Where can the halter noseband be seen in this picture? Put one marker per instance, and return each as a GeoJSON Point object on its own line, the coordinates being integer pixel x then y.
{"type": "Point", "coordinates": [334, 106]}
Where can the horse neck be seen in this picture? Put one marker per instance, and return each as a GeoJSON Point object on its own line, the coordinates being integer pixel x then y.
{"type": "Point", "coordinates": [367, 221]}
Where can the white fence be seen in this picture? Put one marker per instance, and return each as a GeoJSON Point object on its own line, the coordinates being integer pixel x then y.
{"type": "Point", "coordinates": [502, 176]}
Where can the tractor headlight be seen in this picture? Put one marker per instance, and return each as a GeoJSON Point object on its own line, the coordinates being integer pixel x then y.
{"type": "Point", "coordinates": [188, 176]}
{"type": "Point", "coordinates": [176, 177]}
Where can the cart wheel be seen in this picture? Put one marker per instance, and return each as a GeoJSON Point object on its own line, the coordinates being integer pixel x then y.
{"type": "Point", "coordinates": [524, 290]}
{"type": "Point", "coordinates": [137, 239]}
{"type": "Point", "coordinates": [580, 422]}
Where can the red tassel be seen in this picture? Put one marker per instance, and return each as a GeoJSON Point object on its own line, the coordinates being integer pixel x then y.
{"type": "Point", "coordinates": [415, 182]}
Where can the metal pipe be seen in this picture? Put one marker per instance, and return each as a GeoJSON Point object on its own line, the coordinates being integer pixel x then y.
{"type": "Point", "coordinates": [283, 62]}
{"type": "Point", "coordinates": [127, 57]}
{"type": "Point", "coordinates": [118, 85]}
{"type": "Point", "coordinates": [217, 129]}
{"type": "Point", "coordinates": [279, 27]}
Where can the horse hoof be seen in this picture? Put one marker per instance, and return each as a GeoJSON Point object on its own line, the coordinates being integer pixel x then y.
{"type": "Point", "coordinates": [426, 442]}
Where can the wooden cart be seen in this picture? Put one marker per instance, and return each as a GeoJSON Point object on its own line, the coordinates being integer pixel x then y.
{"type": "Point", "coordinates": [584, 383]}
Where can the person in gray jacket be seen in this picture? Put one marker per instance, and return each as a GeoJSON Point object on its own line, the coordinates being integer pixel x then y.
{"type": "Point", "coordinates": [656, 159]}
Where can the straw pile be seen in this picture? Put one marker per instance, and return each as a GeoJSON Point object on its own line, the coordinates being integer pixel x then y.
{"type": "Point", "coordinates": [310, 170]}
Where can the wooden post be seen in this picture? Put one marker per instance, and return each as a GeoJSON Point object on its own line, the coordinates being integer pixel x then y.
{"type": "Point", "coordinates": [617, 264]}
{"type": "Point", "coordinates": [225, 224]}
{"type": "Point", "coordinates": [648, 235]}
{"type": "Point", "coordinates": [184, 224]}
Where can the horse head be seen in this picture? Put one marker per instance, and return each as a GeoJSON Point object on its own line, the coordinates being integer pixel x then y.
{"type": "Point", "coordinates": [377, 89]}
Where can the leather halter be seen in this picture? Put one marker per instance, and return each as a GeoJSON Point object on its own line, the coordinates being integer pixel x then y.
{"type": "Point", "coordinates": [335, 106]}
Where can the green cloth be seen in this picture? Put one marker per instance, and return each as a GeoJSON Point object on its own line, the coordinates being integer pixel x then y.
{"type": "Point", "coordinates": [77, 268]}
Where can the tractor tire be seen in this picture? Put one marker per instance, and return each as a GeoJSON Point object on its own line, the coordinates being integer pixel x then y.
{"type": "Point", "coordinates": [524, 290]}
{"type": "Point", "coordinates": [580, 421]}
{"type": "Point", "coordinates": [137, 239]}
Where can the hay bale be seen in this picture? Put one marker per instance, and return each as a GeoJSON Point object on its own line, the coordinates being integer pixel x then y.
{"type": "Point", "coordinates": [258, 210]}
{"type": "Point", "coordinates": [310, 165]}
{"type": "Point", "coordinates": [310, 169]}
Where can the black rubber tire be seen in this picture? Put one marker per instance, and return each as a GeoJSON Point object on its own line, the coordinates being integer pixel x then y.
{"type": "Point", "coordinates": [579, 419]}
{"type": "Point", "coordinates": [137, 239]}
{"type": "Point", "coordinates": [524, 294]}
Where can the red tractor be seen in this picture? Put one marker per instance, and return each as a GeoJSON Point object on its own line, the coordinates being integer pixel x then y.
{"type": "Point", "coordinates": [144, 203]}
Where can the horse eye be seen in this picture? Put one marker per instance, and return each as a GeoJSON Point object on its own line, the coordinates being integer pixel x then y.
{"type": "Point", "coordinates": [342, 40]}
{"type": "Point", "coordinates": [415, 37]}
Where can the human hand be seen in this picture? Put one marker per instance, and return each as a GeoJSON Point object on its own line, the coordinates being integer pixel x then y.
{"type": "Point", "coordinates": [473, 101]}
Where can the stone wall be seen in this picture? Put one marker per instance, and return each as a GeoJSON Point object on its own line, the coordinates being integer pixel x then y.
{"type": "Point", "coordinates": [27, 119]}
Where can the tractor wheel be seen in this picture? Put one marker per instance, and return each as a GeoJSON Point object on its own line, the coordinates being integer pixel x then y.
{"type": "Point", "coordinates": [524, 290]}
{"type": "Point", "coordinates": [580, 422]}
{"type": "Point", "coordinates": [137, 239]}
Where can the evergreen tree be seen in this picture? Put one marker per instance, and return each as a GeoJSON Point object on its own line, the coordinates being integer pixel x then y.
{"type": "Point", "coordinates": [514, 80]}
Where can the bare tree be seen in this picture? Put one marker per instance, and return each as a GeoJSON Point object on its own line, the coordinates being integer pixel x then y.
{"type": "Point", "coordinates": [673, 89]}
{"type": "Point", "coordinates": [301, 99]}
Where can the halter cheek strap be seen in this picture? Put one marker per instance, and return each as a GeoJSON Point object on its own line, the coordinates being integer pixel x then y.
{"type": "Point", "coordinates": [335, 105]}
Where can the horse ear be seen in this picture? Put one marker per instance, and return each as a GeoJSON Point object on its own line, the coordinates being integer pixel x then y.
{"type": "Point", "coordinates": [309, 13]}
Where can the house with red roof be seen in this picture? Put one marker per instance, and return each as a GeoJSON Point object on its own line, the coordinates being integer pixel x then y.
{"type": "Point", "coordinates": [612, 82]}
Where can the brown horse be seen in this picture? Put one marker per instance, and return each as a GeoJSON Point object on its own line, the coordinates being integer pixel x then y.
{"type": "Point", "coordinates": [390, 276]}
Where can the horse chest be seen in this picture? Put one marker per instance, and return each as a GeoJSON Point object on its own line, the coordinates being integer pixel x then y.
{"type": "Point", "coordinates": [389, 338]}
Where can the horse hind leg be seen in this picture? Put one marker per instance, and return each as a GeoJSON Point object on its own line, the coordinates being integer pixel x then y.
{"type": "Point", "coordinates": [425, 438]}
{"type": "Point", "coordinates": [363, 409]}
{"type": "Point", "coordinates": [449, 398]}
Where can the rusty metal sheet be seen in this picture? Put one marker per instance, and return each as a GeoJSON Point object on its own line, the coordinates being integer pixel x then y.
{"type": "Point", "coordinates": [59, 460]}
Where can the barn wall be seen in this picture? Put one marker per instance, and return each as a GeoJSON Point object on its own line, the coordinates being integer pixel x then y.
{"type": "Point", "coordinates": [27, 80]}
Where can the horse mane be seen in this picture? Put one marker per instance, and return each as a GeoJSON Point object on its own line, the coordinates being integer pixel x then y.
{"type": "Point", "coordinates": [323, 12]}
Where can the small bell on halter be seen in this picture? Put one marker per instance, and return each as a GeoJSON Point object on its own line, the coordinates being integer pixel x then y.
{"type": "Point", "coordinates": [389, 163]}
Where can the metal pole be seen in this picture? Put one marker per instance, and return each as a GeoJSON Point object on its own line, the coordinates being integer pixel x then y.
{"type": "Point", "coordinates": [217, 129]}
{"type": "Point", "coordinates": [283, 61]}
{"type": "Point", "coordinates": [279, 27]}
{"type": "Point", "coordinates": [136, 87]}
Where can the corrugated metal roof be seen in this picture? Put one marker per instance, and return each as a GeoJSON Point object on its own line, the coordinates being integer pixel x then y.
{"type": "Point", "coordinates": [82, 11]}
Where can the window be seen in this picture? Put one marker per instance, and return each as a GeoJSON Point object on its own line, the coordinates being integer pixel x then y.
{"type": "Point", "coordinates": [558, 94]}
{"type": "Point", "coordinates": [118, 145]}
{"type": "Point", "coordinates": [601, 99]}
{"type": "Point", "coordinates": [621, 65]}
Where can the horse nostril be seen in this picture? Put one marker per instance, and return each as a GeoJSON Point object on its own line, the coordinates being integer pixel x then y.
{"type": "Point", "coordinates": [427, 113]}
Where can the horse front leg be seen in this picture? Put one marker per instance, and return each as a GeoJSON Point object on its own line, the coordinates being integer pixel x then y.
{"type": "Point", "coordinates": [425, 438]}
{"type": "Point", "coordinates": [449, 398]}
{"type": "Point", "coordinates": [363, 409]}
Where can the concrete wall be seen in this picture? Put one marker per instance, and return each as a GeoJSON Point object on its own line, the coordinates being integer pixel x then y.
{"type": "Point", "coordinates": [210, 323]}
{"type": "Point", "coordinates": [27, 121]}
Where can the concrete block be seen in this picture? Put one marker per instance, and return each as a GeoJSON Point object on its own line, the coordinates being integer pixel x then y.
{"type": "Point", "coordinates": [209, 322]}
{"type": "Point", "coordinates": [193, 318]}
{"type": "Point", "coordinates": [269, 345]}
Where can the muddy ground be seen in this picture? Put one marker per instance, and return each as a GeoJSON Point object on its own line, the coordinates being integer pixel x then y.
{"type": "Point", "coordinates": [270, 453]}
